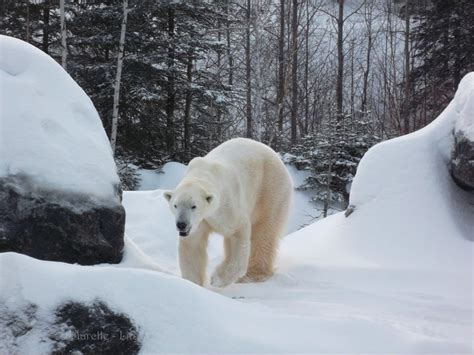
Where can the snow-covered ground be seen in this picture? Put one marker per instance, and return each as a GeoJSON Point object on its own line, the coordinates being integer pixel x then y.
{"type": "Point", "coordinates": [396, 276]}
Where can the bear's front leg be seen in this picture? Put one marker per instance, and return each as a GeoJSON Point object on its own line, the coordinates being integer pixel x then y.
{"type": "Point", "coordinates": [236, 260]}
{"type": "Point", "coordinates": [193, 256]}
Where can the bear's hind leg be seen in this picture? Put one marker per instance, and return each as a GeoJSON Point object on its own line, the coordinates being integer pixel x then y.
{"type": "Point", "coordinates": [266, 236]}
{"type": "Point", "coordinates": [262, 255]}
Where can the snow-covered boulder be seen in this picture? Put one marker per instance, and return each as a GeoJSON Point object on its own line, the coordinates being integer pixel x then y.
{"type": "Point", "coordinates": [463, 155]}
{"type": "Point", "coordinates": [60, 195]}
{"type": "Point", "coordinates": [407, 210]}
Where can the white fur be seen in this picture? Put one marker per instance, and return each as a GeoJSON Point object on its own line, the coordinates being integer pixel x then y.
{"type": "Point", "coordinates": [240, 190]}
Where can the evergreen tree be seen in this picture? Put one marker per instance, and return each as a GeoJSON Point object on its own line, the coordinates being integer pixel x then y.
{"type": "Point", "coordinates": [443, 40]}
{"type": "Point", "coordinates": [333, 157]}
{"type": "Point", "coordinates": [169, 86]}
{"type": "Point", "coordinates": [32, 21]}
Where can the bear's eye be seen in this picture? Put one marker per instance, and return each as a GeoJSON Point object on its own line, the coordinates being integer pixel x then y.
{"type": "Point", "coordinates": [193, 207]}
{"type": "Point", "coordinates": [175, 206]}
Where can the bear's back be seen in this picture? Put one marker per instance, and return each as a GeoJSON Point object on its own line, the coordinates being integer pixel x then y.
{"type": "Point", "coordinates": [241, 151]}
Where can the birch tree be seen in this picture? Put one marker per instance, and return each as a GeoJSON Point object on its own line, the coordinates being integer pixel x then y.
{"type": "Point", "coordinates": [170, 87]}
{"type": "Point", "coordinates": [187, 106]}
{"type": "Point", "coordinates": [228, 45]}
{"type": "Point", "coordinates": [46, 28]}
{"type": "Point", "coordinates": [281, 66]}
{"type": "Point", "coordinates": [63, 34]}
{"type": "Point", "coordinates": [248, 71]}
{"type": "Point", "coordinates": [340, 60]}
{"type": "Point", "coordinates": [118, 77]}
{"type": "Point", "coordinates": [27, 39]}
{"type": "Point", "coordinates": [294, 72]}
{"type": "Point", "coordinates": [368, 16]}
{"type": "Point", "coordinates": [406, 106]}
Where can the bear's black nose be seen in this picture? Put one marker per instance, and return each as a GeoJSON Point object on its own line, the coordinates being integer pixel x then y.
{"type": "Point", "coordinates": [181, 225]}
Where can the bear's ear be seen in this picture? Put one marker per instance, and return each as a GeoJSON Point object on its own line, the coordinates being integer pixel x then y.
{"type": "Point", "coordinates": [209, 198]}
{"type": "Point", "coordinates": [167, 195]}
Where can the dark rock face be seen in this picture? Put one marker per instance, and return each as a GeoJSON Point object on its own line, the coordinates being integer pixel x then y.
{"type": "Point", "coordinates": [462, 162]}
{"type": "Point", "coordinates": [93, 329]}
{"type": "Point", "coordinates": [54, 226]}
{"type": "Point", "coordinates": [76, 328]}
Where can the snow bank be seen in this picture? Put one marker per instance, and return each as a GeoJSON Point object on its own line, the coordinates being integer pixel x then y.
{"type": "Point", "coordinates": [49, 128]}
{"type": "Point", "coordinates": [174, 315]}
{"type": "Point", "coordinates": [404, 195]}
{"type": "Point", "coordinates": [166, 179]}
{"type": "Point", "coordinates": [303, 210]}
{"type": "Point", "coordinates": [151, 225]}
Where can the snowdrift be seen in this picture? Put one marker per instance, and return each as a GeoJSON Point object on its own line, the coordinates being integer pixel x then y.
{"type": "Point", "coordinates": [49, 129]}
{"type": "Point", "coordinates": [408, 211]}
{"type": "Point", "coordinates": [395, 276]}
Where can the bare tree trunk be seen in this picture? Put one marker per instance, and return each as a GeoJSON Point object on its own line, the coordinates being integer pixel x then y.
{"type": "Point", "coordinates": [45, 45]}
{"type": "Point", "coordinates": [294, 72]}
{"type": "Point", "coordinates": [63, 34]}
{"type": "Point", "coordinates": [368, 18]}
{"type": "Point", "coordinates": [327, 200]}
{"type": "Point", "coordinates": [248, 72]}
{"type": "Point", "coordinates": [118, 77]}
{"type": "Point", "coordinates": [219, 63]}
{"type": "Point", "coordinates": [171, 97]}
{"type": "Point", "coordinates": [257, 108]}
{"type": "Point", "coordinates": [352, 101]}
{"type": "Point", "coordinates": [392, 71]}
{"type": "Point", "coordinates": [229, 52]}
{"type": "Point", "coordinates": [406, 113]}
{"type": "Point", "coordinates": [457, 67]}
{"type": "Point", "coordinates": [340, 61]}
{"type": "Point", "coordinates": [306, 72]}
{"type": "Point", "coordinates": [281, 66]}
{"type": "Point", "coordinates": [187, 106]}
{"type": "Point", "coordinates": [386, 109]}
{"type": "Point", "coordinates": [27, 39]}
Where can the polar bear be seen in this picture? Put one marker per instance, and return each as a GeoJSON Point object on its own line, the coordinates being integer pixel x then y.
{"type": "Point", "coordinates": [241, 190]}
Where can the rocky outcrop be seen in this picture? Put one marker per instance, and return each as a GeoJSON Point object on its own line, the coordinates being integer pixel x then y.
{"type": "Point", "coordinates": [462, 159]}
{"type": "Point", "coordinates": [93, 329]}
{"type": "Point", "coordinates": [72, 328]}
{"type": "Point", "coordinates": [58, 226]}
{"type": "Point", "coordinates": [462, 162]}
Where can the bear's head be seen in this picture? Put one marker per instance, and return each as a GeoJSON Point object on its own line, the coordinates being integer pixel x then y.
{"type": "Point", "coordinates": [190, 203]}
